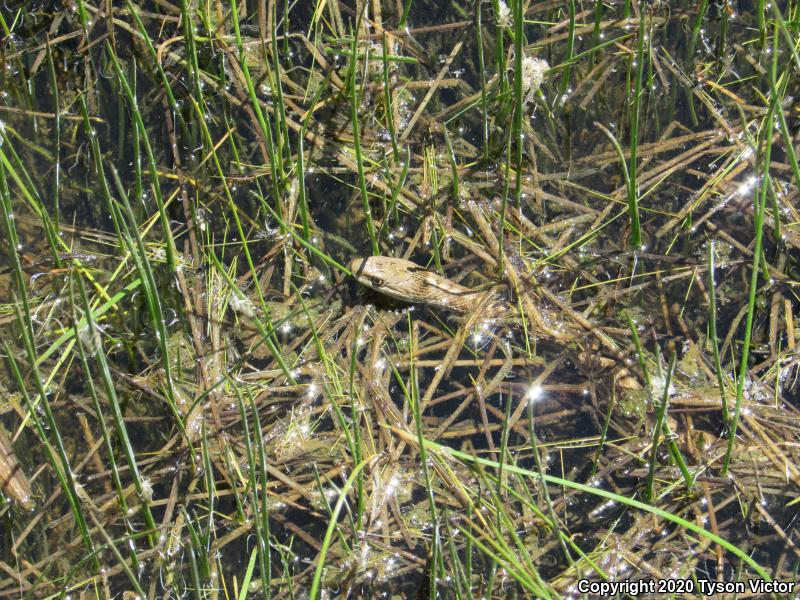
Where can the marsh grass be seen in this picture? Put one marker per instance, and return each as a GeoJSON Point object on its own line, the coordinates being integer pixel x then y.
{"type": "Point", "coordinates": [205, 407]}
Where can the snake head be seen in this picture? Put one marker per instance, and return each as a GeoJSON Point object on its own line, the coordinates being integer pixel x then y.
{"type": "Point", "coordinates": [394, 277]}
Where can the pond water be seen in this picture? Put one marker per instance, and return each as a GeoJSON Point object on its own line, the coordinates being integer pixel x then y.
{"type": "Point", "coordinates": [584, 371]}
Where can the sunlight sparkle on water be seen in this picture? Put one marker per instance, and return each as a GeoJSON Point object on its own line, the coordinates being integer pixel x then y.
{"type": "Point", "coordinates": [534, 393]}
{"type": "Point", "coordinates": [503, 14]}
{"type": "Point", "coordinates": [746, 185]}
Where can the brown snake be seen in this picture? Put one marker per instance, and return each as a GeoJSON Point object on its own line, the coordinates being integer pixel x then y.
{"type": "Point", "coordinates": [403, 280]}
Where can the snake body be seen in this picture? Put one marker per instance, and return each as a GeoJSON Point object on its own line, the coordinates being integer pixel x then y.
{"type": "Point", "coordinates": [407, 281]}
{"type": "Point", "coordinates": [404, 280]}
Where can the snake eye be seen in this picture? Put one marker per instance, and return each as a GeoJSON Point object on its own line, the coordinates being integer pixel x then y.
{"type": "Point", "coordinates": [375, 281]}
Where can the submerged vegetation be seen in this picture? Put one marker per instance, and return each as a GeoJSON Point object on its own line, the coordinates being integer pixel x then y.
{"type": "Point", "coordinates": [199, 401]}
